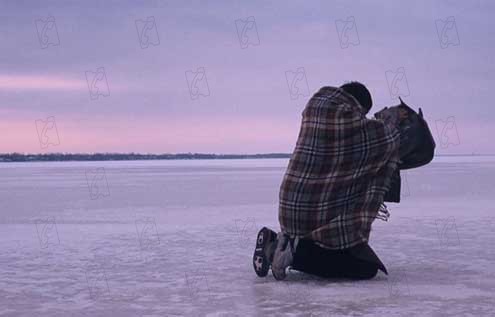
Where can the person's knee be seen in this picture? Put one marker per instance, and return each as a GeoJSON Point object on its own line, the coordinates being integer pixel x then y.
{"type": "Point", "coordinates": [365, 274]}
{"type": "Point", "coordinates": [370, 274]}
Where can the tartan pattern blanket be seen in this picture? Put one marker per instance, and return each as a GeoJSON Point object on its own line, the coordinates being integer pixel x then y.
{"type": "Point", "coordinates": [339, 172]}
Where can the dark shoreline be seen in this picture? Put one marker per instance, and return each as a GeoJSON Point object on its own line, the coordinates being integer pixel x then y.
{"type": "Point", "coordinates": [64, 157]}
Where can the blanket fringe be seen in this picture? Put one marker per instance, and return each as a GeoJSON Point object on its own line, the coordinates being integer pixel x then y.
{"type": "Point", "coordinates": [383, 213]}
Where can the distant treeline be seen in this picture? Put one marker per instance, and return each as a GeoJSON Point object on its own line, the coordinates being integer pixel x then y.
{"type": "Point", "coordinates": [50, 157]}
{"type": "Point", "coordinates": [54, 157]}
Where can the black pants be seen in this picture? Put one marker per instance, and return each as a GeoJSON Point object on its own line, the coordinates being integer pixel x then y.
{"type": "Point", "coordinates": [313, 259]}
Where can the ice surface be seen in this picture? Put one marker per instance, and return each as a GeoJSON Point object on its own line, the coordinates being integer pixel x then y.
{"type": "Point", "coordinates": [175, 238]}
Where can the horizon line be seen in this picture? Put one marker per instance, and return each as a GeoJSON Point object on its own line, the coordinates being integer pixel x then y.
{"type": "Point", "coordinates": [196, 153]}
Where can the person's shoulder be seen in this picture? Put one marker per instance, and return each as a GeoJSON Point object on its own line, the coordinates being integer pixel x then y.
{"type": "Point", "coordinates": [333, 96]}
{"type": "Point", "coordinates": [327, 92]}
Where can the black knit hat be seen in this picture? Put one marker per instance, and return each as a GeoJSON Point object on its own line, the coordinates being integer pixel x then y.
{"type": "Point", "coordinates": [360, 92]}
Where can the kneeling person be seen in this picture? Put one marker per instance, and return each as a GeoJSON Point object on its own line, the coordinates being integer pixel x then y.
{"type": "Point", "coordinates": [333, 189]}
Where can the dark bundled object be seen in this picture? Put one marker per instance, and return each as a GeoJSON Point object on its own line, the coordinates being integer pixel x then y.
{"type": "Point", "coordinates": [417, 146]}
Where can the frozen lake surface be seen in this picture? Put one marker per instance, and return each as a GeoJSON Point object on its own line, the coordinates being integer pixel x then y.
{"type": "Point", "coordinates": [175, 238]}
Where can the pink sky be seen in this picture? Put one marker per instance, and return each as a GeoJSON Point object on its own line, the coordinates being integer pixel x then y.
{"type": "Point", "coordinates": [217, 134]}
{"type": "Point", "coordinates": [144, 99]}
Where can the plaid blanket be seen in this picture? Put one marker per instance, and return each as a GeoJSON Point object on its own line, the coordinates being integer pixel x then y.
{"type": "Point", "coordinates": [340, 170]}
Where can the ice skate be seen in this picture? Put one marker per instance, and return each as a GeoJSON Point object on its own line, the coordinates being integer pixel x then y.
{"type": "Point", "coordinates": [266, 241]}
